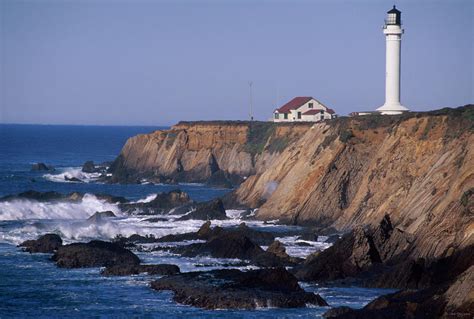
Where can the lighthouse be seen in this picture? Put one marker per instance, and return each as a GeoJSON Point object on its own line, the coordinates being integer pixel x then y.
{"type": "Point", "coordinates": [393, 38]}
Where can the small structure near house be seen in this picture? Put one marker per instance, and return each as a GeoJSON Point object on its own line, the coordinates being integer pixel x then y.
{"type": "Point", "coordinates": [303, 109]}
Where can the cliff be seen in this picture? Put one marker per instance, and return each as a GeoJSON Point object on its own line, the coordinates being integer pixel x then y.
{"type": "Point", "coordinates": [417, 168]}
{"type": "Point", "coordinates": [217, 152]}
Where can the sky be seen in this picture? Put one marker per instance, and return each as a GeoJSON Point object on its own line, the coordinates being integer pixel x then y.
{"type": "Point", "coordinates": [157, 62]}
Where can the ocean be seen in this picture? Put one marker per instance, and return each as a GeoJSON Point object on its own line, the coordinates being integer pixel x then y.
{"type": "Point", "coordinates": [31, 286]}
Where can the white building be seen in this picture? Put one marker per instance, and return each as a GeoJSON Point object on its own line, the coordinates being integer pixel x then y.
{"type": "Point", "coordinates": [393, 38]}
{"type": "Point", "coordinates": [303, 109]}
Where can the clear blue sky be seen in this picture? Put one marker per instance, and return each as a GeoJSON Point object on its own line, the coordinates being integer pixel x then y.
{"type": "Point", "coordinates": [158, 62]}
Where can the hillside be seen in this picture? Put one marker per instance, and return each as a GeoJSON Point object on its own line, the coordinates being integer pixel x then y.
{"type": "Point", "coordinates": [417, 168]}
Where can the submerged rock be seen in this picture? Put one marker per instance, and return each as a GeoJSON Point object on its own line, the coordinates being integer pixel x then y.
{"type": "Point", "coordinates": [206, 211]}
{"type": "Point", "coordinates": [234, 289]}
{"type": "Point", "coordinates": [133, 269]}
{"type": "Point", "coordinates": [163, 203]}
{"type": "Point", "coordinates": [73, 179]}
{"type": "Point", "coordinates": [93, 254]}
{"type": "Point", "coordinates": [41, 167]}
{"type": "Point", "coordinates": [100, 216]}
{"type": "Point", "coordinates": [48, 243]}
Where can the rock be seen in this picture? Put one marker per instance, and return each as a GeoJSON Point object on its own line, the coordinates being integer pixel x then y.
{"type": "Point", "coordinates": [356, 252]}
{"type": "Point", "coordinates": [257, 236]}
{"type": "Point", "coordinates": [38, 196]}
{"type": "Point", "coordinates": [155, 219]}
{"type": "Point", "coordinates": [234, 289]}
{"type": "Point", "coordinates": [72, 179]}
{"type": "Point", "coordinates": [93, 254]}
{"type": "Point", "coordinates": [41, 167]}
{"type": "Point", "coordinates": [278, 249]}
{"type": "Point", "coordinates": [89, 167]}
{"type": "Point", "coordinates": [100, 216]}
{"type": "Point", "coordinates": [135, 239]}
{"type": "Point", "coordinates": [48, 243]}
{"type": "Point", "coordinates": [226, 245]}
{"type": "Point", "coordinates": [163, 203]}
{"type": "Point", "coordinates": [111, 198]}
{"type": "Point", "coordinates": [206, 211]}
{"type": "Point", "coordinates": [132, 269]}
{"type": "Point", "coordinates": [332, 239]}
{"type": "Point", "coordinates": [335, 312]}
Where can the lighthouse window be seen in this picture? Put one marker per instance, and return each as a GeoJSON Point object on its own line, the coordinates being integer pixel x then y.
{"type": "Point", "coordinates": [392, 18]}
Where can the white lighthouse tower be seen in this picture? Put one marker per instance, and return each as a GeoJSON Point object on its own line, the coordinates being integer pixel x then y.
{"type": "Point", "coordinates": [393, 37]}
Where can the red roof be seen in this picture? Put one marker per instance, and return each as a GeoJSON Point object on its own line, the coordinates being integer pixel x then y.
{"type": "Point", "coordinates": [312, 112]}
{"type": "Point", "coordinates": [294, 104]}
{"type": "Point", "coordinates": [330, 111]}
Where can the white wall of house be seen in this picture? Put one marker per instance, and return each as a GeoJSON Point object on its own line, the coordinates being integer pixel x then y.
{"type": "Point", "coordinates": [293, 115]}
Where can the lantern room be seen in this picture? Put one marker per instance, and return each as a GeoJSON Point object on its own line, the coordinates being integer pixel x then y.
{"type": "Point", "coordinates": [394, 17]}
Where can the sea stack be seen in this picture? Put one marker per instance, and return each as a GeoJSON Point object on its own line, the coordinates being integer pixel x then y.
{"type": "Point", "coordinates": [393, 37]}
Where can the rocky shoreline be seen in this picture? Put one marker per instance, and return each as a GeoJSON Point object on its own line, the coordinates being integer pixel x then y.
{"type": "Point", "coordinates": [399, 189]}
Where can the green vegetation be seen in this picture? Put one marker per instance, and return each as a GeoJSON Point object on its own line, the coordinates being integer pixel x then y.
{"type": "Point", "coordinates": [170, 138]}
{"type": "Point", "coordinates": [278, 144]}
{"type": "Point", "coordinates": [257, 136]}
{"type": "Point", "coordinates": [432, 122]}
{"type": "Point", "coordinates": [346, 135]}
{"type": "Point", "coordinates": [465, 198]}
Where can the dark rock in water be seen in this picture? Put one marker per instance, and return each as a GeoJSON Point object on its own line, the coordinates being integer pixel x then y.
{"type": "Point", "coordinates": [223, 243]}
{"type": "Point", "coordinates": [206, 211]}
{"type": "Point", "coordinates": [163, 203]}
{"type": "Point", "coordinates": [257, 236]}
{"type": "Point", "coordinates": [355, 253]}
{"type": "Point", "coordinates": [134, 239]}
{"type": "Point", "coordinates": [226, 245]}
{"type": "Point", "coordinates": [48, 243]}
{"type": "Point", "coordinates": [38, 196]}
{"type": "Point", "coordinates": [132, 269]}
{"type": "Point", "coordinates": [111, 198]}
{"type": "Point", "coordinates": [205, 232]}
{"type": "Point", "coordinates": [93, 254]}
{"type": "Point", "coordinates": [404, 304]}
{"type": "Point", "coordinates": [41, 167]}
{"type": "Point", "coordinates": [335, 312]}
{"type": "Point", "coordinates": [72, 179]}
{"type": "Point", "coordinates": [89, 167]}
{"type": "Point", "coordinates": [278, 249]}
{"type": "Point", "coordinates": [100, 216]}
{"type": "Point", "coordinates": [234, 289]}
{"type": "Point", "coordinates": [155, 219]}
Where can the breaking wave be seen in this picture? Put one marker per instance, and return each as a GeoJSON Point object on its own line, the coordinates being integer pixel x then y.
{"type": "Point", "coordinates": [20, 209]}
{"type": "Point", "coordinates": [147, 199]}
{"type": "Point", "coordinates": [72, 172]}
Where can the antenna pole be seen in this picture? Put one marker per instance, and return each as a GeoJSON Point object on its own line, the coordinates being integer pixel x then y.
{"type": "Point", "coordinates": [250, 91]}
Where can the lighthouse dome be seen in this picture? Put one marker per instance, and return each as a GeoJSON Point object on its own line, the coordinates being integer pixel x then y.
{"type": "Point", "coordinates": [394, 17]}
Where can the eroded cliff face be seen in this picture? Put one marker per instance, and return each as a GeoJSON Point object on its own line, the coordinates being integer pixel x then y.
{"type": "Point", "coordinates": [416, 168]}
{"type": "Point", "coordinates": [204, 151]}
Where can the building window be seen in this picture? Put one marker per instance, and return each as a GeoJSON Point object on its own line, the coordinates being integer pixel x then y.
{"type": "Point", "coordinates": [276, 116]}
{"type": "Point", "coordinates": [322, 112]}
{"type": "Point", "coordinates": [299, 115]}
{"type": "Point", "coordinates": [286, 116]}
{"type": "Point", "coordinates": [310, 105]}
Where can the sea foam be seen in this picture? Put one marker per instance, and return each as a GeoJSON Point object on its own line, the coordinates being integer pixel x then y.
{"type": "Point", "coordinates": [20, 209]}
